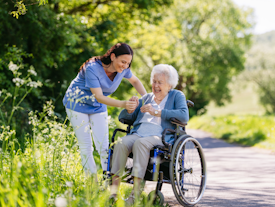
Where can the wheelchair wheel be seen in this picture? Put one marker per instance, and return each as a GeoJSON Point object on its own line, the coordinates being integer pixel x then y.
{"type": "Point", "coordinates": [187, 170]}
{"type": "Point", "coordinates": [158, 199]}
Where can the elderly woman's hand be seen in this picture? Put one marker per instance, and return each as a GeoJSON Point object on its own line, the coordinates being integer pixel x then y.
{"type": "Point", "coordinates": [132, 104]}
{"type": "Point", "coordinates": [148, 108]}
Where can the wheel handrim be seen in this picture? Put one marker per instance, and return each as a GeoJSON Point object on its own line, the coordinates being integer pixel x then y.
{"type": "Point", "coordinates": [190, 173]}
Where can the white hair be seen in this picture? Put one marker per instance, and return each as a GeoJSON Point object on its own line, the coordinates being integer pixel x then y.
{"type": "Point", "coordinates": [169, 71]}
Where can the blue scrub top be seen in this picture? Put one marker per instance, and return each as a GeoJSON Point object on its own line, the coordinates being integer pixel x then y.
{"type": "Point", "coordinates": [79, 97]}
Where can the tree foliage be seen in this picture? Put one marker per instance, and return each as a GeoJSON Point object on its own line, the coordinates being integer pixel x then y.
{"type": "Point", "coordinates": [55, 39]}
{"type": "Point", "coordinates": [260, 65]}
{"type": "Point", "coordinates": [265, 80]}
{"type": "Point", "coordinates": [61, 35]}
{"type": "Point", "coordinates": [204, 40]}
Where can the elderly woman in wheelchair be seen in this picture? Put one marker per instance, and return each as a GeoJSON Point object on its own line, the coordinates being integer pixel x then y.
{"type": "Point", "coordinates": [150, 118]}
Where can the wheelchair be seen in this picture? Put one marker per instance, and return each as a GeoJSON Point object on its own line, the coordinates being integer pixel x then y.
{"type": "Point", "coordinates": [182, 165]}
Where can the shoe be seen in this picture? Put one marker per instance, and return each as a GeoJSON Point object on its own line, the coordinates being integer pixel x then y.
{"type": "Point", "coordinates": [130, 200]}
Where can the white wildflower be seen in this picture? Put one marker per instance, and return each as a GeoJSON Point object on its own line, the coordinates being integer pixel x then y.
{"type": "Point", "coordinates": [19, 164]}
{"type": "Point", "coordinates": [18, 81]}
{"type": "Point", "coordinates": [64, 84]}
{"type": "Point", "coordinates": [32, 71]}
{"type": "Point", "coordinates": [60, 202]}
{"type": "Point", "coordinates": [69, 184]}
{"type": "Point", "coordinates": [86, 128]}
{"type": "Point", "coordinates": [13, 67]}
{"type": "Point", "coordinates": [84, 20]}
{"type": "Point", "coordinates": [34, 84]}
{"type": "Point", "coordinates": [77, 91]}
{"type": "Point", "coordinates": [50, 112]}
{"type": "Point", "coordinates": [93, 97]}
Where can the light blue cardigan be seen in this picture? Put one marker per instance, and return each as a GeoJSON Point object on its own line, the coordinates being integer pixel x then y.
{"type": "Point", "coordinates": [175, 107]}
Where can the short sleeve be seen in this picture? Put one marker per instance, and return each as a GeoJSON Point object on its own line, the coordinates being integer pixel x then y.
{"type": "Point", "coordinates": [91, 79]}
{"type": "Point", "coordinates": [128, 73]}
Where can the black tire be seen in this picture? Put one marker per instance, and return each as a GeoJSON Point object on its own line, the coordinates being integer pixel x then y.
{"type": "Point", "coordinates": [187, 173]}
{"type": "Point", "coordinates": [158, 199]}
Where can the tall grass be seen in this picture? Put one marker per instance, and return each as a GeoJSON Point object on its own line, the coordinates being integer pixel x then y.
{"type": "Point", "coordinates": [49, 171]}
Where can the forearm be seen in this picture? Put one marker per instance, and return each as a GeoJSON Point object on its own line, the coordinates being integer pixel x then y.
{"type": "Point", "coordinates": [139, 87]}
{"type": "Point", "coordinates": [109, 101]}
{"type": "Point", "coordinates": [180, 112]}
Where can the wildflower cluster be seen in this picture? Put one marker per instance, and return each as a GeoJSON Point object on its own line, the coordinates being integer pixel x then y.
{"type": "Point", "coordinates": [19, 92]}
{"type": "Point", "coordinates": [77, 96]}
{"type": "Point", "coordinates": [26, 80]}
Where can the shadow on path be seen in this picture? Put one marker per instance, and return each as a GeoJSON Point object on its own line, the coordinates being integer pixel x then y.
{"type": "Point", "coordinates": [236, 175]}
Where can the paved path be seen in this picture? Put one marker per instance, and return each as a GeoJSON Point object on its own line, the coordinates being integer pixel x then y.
{"type": "Point", "coordinates": [237, 176]}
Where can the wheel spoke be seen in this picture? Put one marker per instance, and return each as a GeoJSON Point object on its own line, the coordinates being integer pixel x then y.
{"type": "Point", "coordinates": [188, 173]}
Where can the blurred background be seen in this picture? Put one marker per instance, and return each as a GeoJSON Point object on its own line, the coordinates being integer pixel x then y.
{"type": "Point", "coordinates": [222, 50]}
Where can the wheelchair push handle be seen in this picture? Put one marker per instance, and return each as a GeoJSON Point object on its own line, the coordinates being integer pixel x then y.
{"type": "Point", "coordinates": [190, 103]}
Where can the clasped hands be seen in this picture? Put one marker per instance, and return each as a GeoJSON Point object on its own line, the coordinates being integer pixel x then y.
{"type": "Point", "coordinates": [132, 104]}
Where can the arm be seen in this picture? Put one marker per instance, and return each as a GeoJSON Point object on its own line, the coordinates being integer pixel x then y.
{"type": "Point", "coordinates": [129, 105]}
{"type": "Point", "coordinates": [137, 84]}
{"type": "Point", "coordinates": [180, 112]}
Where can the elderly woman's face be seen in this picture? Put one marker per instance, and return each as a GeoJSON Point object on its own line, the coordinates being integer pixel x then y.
{"type": "Point", "coordinates": [160, 87]}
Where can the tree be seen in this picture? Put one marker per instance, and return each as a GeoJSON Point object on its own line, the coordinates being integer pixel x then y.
{"type": "Point", "coordinates": [204, 40]}
{"type": "Point", "coordinates": [264, 79]}
{"type": "Point", "coordinates": [61, 35]}
{"type": "Point", "coordinates": [55, 39]}
{"type": "Point", "coordinates": [260, 66]}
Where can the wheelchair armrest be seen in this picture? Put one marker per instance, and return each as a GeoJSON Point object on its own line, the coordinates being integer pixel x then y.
{"type": "Point", "coordinates": [190, 103]}
{"type": "Point", "coordinates": [167, 145]}
{"type": "Point", "coordinates": [126, 121]}
{"type": "Point", "coordinates": [177, 122]}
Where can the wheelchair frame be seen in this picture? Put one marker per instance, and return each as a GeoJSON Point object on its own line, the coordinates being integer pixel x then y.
{"type": "Point", "coordinates": [179, 168]}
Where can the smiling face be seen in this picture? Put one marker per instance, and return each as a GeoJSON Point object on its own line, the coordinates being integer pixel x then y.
{"type": "Point", "coordinates": [121, 62]}
{"type": "Point", "coordinates": [160, 86]}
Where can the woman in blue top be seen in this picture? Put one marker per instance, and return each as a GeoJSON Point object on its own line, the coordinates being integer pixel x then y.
{"type": "Point", "coordinates": [86, 100]}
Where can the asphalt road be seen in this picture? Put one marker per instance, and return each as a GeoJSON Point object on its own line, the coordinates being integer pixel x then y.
{"type": "Point", "coordinates": [236, 176]}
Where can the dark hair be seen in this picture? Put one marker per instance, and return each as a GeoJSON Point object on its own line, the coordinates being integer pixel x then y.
{"type": "Point", "coordinates": [118, 49]}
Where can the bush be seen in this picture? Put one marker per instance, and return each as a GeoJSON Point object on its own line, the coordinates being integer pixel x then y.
{"type": "Point", "coordinates": [265, 80]}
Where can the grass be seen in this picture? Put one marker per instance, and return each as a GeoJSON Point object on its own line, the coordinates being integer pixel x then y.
{"type": "Point", "coordinates": [244, 101]}
{"type": "Point", "coordinates": [242, 121]}
{"type": "Point", "coordinates": [250, 130]}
